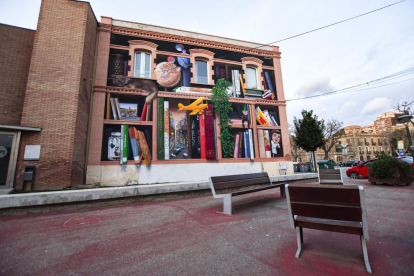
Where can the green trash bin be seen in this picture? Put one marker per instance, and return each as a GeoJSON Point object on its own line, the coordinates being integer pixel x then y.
{"type": "Point", "coordinates": [326, 164]}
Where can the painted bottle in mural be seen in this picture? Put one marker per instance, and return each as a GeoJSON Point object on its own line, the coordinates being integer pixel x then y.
{"type": "Point", "coordinates": [114, 146]}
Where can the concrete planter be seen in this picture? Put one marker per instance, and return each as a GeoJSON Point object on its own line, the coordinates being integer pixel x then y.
{"type": "Point", "coordinates": [402, 179]}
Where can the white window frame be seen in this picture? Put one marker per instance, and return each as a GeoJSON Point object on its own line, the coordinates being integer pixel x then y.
{"type": "Point", "coordinates": [142, 64]}
{"type": "Point", "coordinates": [208, 71]}
{"type": "Point", "coordinates": [257, 77]}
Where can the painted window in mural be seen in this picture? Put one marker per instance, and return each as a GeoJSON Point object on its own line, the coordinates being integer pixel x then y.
{"type": "Point", "coordinates": [201, 71]}
{"type": "Point", "coordinates": [252, 77]}
{"type": "Point", "coordinates": [142, 65]}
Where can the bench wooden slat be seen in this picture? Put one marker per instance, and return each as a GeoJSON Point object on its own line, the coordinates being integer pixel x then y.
{"type": "Point", "coordinates": [330, 176]}
{"type": "Point", "coordinates": [350, 227]}
{"type": "Point", "coordinates": [237, 177]}
{"type": "Point", "coordinates": [330, 171]}
{"type": "Point", "coordinates": [325, 193]}
{"type": "Point", "coordinates": [258, 189]}
{"type": "Point", "coordinates": [327, 211]}
{"type": "Point", "coordinates": [241, 183]}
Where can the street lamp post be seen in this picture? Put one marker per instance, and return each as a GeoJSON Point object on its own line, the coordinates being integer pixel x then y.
{"type": "Point", "coordinates": [406, 120]}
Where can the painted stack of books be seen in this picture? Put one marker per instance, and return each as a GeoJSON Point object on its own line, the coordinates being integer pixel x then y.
{"type": "Point", "coordinates": [243, 144]}
{"type": "Point", "coordinates": [126, 111]}
{"type": "Point", "coordinates": [236, 116]}
{"type": "Point", "coordinates": [193, 90]}
{"type": "Point", "coordinates": [180, 136]}
{"type": "Point", "coordinates": [266, 118]}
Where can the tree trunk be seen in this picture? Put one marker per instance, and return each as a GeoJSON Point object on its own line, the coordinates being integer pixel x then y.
{"type": "Point", "coordinates": [314, 162]}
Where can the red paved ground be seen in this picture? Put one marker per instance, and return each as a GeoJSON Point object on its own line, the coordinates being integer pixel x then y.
{"type": "Point", "coordinates": [187, 237]}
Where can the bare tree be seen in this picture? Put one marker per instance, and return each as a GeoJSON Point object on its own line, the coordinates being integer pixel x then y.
{"type": "Point", "coordinates": [295, 149]}
{"type": "Point", "coordinates": [333, 133]}
{"type": "Point", "coordinates": [404, 106]}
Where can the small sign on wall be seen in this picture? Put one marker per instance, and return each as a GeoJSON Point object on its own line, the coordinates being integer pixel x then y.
{"type": "Point", "coordinates": [32, 153]}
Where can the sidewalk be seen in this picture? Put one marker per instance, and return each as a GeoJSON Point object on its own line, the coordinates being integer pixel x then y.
{"type": "Point", "coordinates": [68, 196]}
{"type": "Point", "coordinates": [186, 236]}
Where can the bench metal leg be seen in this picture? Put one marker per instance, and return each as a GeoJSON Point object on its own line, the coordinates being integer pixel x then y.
{"type": "Point", "coordinates": [365, 251]}
{"type": "Point", "coordinates": [282, 191]}
{"type": "Point", "coordinates": [227, 204]}
{"type": "Point", "coordinates": [299, 236]}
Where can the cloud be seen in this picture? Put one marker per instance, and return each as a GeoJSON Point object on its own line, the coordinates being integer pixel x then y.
{"type": "Point", "coordinates": [348, 106]}
{"type": "Point", "coordinates": [372, 53]}
{"type": "Point", "coordinates": [315, 86]}
{"type": "Point", "coordinates": [377, 105]}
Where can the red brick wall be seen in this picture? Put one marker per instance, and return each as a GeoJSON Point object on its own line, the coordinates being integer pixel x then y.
{"type": "Point", "coordinates": [58, 94]}
{"type": "Point", "coordinates": [15, 53]}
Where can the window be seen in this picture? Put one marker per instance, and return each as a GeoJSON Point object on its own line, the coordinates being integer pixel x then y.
{"type": "Point", "coordinates": [380, 148]}
{"type": "Point", "coordinates": [252, 77]}
{"type": "Point", "coordinates": [142, 65]}
{"type": "Point", "coordinates": [201, 71]}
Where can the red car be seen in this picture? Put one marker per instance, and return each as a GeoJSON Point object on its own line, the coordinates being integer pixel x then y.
{"type": "Point", "coordinates": [359, 171]}
{"type": "Point", "coordinates": [362, 169]}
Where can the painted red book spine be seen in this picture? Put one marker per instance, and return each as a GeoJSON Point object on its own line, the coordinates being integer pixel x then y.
{"type": "Point", "coordinates": [202, 136]}
{"type": "Point", "coordinates": [209, 130]}
{"type": "Point", "coordinates": [240, 145]}
{"type": "Point", "coordinates": [236, 145]}
{"type": "Point", "coordinates": [144, 112]}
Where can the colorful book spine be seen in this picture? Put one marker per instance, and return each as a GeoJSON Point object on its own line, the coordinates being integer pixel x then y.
{"type": "Point", "coordinates": [251, 153]}
{"type": "Point", "coordinates": [125, 144]}
{"type": "Point", "coordinates": [240, 153]}
{"type": "Point", "coordinates": [144, 112]}
{"type": "Point", "coordinates": [147, 112]}
{"type": "Point", "coordinates": [246, 144]}
{"type": "Point", "coordinates": [202, 136]}
{"type": "Point", "coordinates": [113, 109]}
{"type": "Point", "coordinates": [147, 133]}
{"type": "Point", "coordinates": [118, 110]}
{"type": "Point", "coordinates": [166, 130]}
{"type": "Point", "coordinates": [269, 84]}
{"type": "Point", "coordinates": [160, 130]}
{"type": "Point", "coordinates": [262, 117]}
{"type": "Point", "coordinates": [267, 117]}
{"type": "Point", "coordinates": [266, 139]}
{"type": "Point", "coordinates": [108, 106]}
{"type": "Point", "coordinates": [242, 85]}
{"type": "Point", "coordinates": [133, 138]}
{"type": "Point", "coordinates": [236, 145]}
{"type": "Point", "coordinates": [198, 137]}
{"type": "Point", "coordinates": [194, 136]}
{"type": "Point", "coordinates": [262, 152]}
{"type": "Point", "coordinates": [146, 154]}
{"type": "Point", "coordinates": [209, 133]}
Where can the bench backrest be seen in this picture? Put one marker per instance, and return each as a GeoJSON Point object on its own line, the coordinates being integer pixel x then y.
{"type": "Point", "coordinates": [228, 183]}
{"type": "Point", "coordinates": [346, 203]}
{"type": "Point", "coordinates": [330, 176]}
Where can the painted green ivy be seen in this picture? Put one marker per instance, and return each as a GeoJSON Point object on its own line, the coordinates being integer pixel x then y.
{"type": "Point", "coordinates": [222, 106]}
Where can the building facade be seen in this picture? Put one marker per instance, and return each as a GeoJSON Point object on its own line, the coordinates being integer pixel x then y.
{"type": "Point", "coordinates": [58, 110]}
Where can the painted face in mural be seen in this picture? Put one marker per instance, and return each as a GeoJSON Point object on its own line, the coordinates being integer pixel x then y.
{"type": "Point", "coordinates": [276, 137]}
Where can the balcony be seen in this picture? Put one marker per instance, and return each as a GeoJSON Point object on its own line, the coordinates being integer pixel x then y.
{"type": "Point", "coordinates": [361, 152]}
{"type": "Point", "coordinates": [368, 152]}
{"type": "Point", "coordinates": [380, 143]}
{"type": "Point", "coordinates": [374, 143]}
{"type": "Point", "coordinates": [366, 143]}
{"type": "Point", "coordinates": [359, 143]}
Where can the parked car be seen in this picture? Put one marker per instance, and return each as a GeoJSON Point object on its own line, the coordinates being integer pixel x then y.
{"type": "Point", "coordinates": [407, 159]}
{"type": "Point", "coordinates": [347, 164]}
{"type": "Point", "coordinates": [359, 171]}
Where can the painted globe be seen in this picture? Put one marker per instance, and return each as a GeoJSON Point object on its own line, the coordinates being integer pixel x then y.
{"type": "Point", "coordinates": [167, 74]}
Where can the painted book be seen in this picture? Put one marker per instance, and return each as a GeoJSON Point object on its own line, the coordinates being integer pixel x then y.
{"type": "Point", "coordinates": [129, 111]}
{"type": "Point", "coordinates": [240, 152]}
{"type": "Point", "coordinates": [178, 130]}
{"type": "Point", "coordinates": [246, 144]}
{"type": "Point", "coordinates": [251, 145]}
{"type": "Point", "coordinates": [124, 144]}
{"type": "Point", "coordinates": [146, 155]}
{"type": "Point", "coordinates": [118, 110]}
{"type": "Point", "coordinates": [236, 82]}
{"type": "Point", "coordinates": [266, 141]}
{"type": "Point", "coordinates": [269, 84]}
{"type": "Point", "coordinates": [148, 136]}
{"type": "Point", "coordinates": [113, 107]}
{"type": "Point", "coordinates": [166, 130]}
{"type": "Point", "coordinates": [133, 138]}
{"type": "Point", "coordinates": [236, 145]}
{"type": "Point", "coordinates": [209, 132]}
{"type": "Point", "coordinates": [194, 136]}
{"type": "Point", "coordinates": [108, 107]}
{"type": "Point", "coordinates": [262, 152]}
{"type": "Point", "coordinates": [202, 136]}
{"type": "Point", "coordinates": [144, 112]}
{"type": "Point", "coordinates": [160, 130]}
{"type": "Point", "coordinates": [242, 84]}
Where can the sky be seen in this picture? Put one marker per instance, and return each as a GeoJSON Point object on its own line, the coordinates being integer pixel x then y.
{"type": "Point", "coordinates": [354, 52]}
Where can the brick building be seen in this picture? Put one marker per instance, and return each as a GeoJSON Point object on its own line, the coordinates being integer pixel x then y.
{"type": "Point", "coordinates": [54, 98]}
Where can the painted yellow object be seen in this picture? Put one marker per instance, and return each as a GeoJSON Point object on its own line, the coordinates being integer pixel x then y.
{"type": "Point", "coordinates": [196, 107]}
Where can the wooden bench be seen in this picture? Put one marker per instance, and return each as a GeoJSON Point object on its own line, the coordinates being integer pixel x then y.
{"type": "Point", "coordinates": [226, 187]}
{"type": "Point", "coordinates": [328, 208]}
{"type": "Point", "coordinates": [330, 177]}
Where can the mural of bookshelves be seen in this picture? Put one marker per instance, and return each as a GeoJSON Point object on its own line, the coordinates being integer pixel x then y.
{"type": "Point", "coordinates": [183, 74]}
